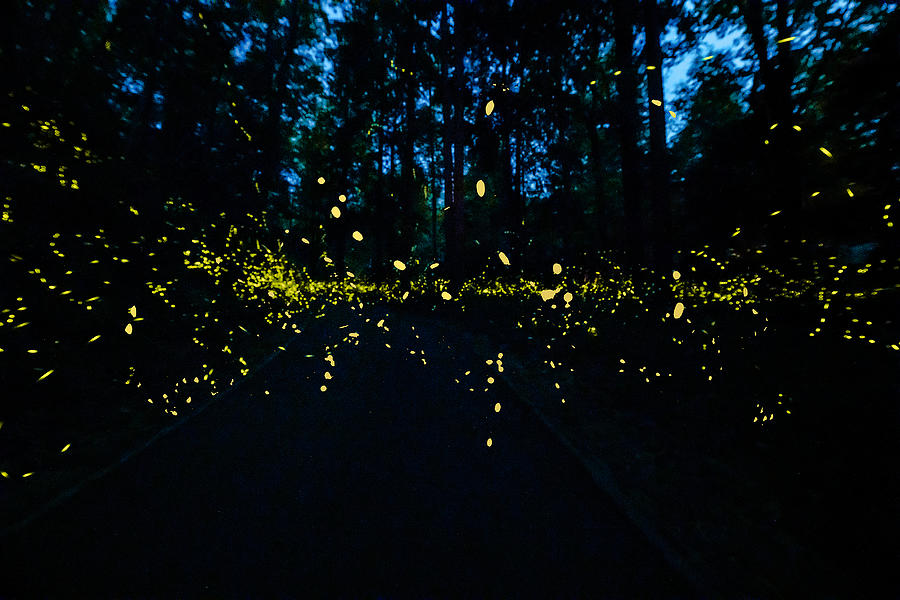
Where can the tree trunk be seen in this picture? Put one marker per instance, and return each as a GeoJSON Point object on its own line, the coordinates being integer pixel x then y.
{"type": "Point", "coordinates": [459, 196]}
{"type": "Point", "coordinates": [516, 213]}
{"type": "Point", "coordinates": [786, 147]}
{"type": "Point", "coordinates": [507, 197]}
{"type": "Point", "coordinates": [10, 21]}
{"type": "Point", "coordinates": [458, 209]}
{"type": "Point", "coordinates": [777, 107]}
{"type": "Point", "coordinates": [521, 244]}
{"type": "Point", "coordinates": [408, 198]}
{"type": "Point", "coordinates": [626, 85]}
{"type": "Point", "coordinates": [753, 16]}
{"type": "Point", "coordinates": [450, 250]}
{"type": "Point", "coordinates": [380, 224]}
{"type": "Point", "coordinates": [599, 196]}
{"type": "Point", "coordinates": [177, 126]}
{"type": "Point", "coordinates": [279, 77]}
{"type": "Point", "coordinates": [343, 142]}
{"type": "Point", "coordinates": [659, 174]}
{"type": "Point", "coordinates": [434, 184]}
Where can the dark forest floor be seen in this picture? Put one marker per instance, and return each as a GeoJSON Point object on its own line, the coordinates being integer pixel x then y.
{"type": "Point", "coordinates": [797, 509]}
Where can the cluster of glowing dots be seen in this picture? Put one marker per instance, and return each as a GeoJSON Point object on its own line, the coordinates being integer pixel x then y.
{"type": "Point", "coordinates": [295, 286]}
{"type": "Point", "coordinates": [276, 276]}
{"type": "Point", "coordinates": [268, 276]}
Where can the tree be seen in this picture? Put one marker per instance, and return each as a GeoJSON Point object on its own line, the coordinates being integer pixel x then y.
{"type": "Point", "coordinates": [659, 173]}
{"type": "Point", "coordinates": [626, 86]}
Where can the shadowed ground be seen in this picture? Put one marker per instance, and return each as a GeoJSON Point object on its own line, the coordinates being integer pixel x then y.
{"type": "Point", "coordinates": [381, 486]}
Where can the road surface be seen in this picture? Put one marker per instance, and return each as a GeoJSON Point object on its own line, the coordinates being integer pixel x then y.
{"type": "Point", "coordinates": [382, 485]}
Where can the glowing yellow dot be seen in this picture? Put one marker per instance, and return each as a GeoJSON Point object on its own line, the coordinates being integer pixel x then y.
{"type": "Point", "coordinates": [567, 296]}
{"type": "Point", "coordinates": [342, 198]}
{"type": "Point", "coordinates": [133, 311]}
{"type": "Point", "coordinates": [66, 447]}
{"type": "Point", "coordinates": [399, 265]}
{"type": "Point", "coordinates": [497, 407]}
{"type": "Point", "coordinates": [490, 442]}
{"type": "Point", "coordinates": [479, 188]}
{"type": "Point", "coordinates": [357, 236]}
{"type": "Point", "coordinates": [676, 275]}
{"type": "Point", "coordinates": [490, 380]}
{"type": "Point", "coordinates": [679, 309]}
{"type": "Point", "coordinates": [323, 388]}
{"type": "Point", "coordinates": [128, 329]}
{"type": "Point", "coordinates": [489, 107]}
{"type": "Point", "coordinates": [825, 152]}
{"type": "Point", "coordinates": [503, 258]}
{"type": "Point", "coordinates": [446, 295]}
{"type": "Point", "coordinates": [335, 212]}
{"type": "Point", "coordinates": [557, 268]}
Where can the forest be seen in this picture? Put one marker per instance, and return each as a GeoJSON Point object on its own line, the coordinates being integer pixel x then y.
{"type": "Point", "coordinates": [663, 231]}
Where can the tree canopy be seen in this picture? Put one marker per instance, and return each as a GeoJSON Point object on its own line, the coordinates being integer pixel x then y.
{"type": "Point", "coordinates": [784, 123]}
